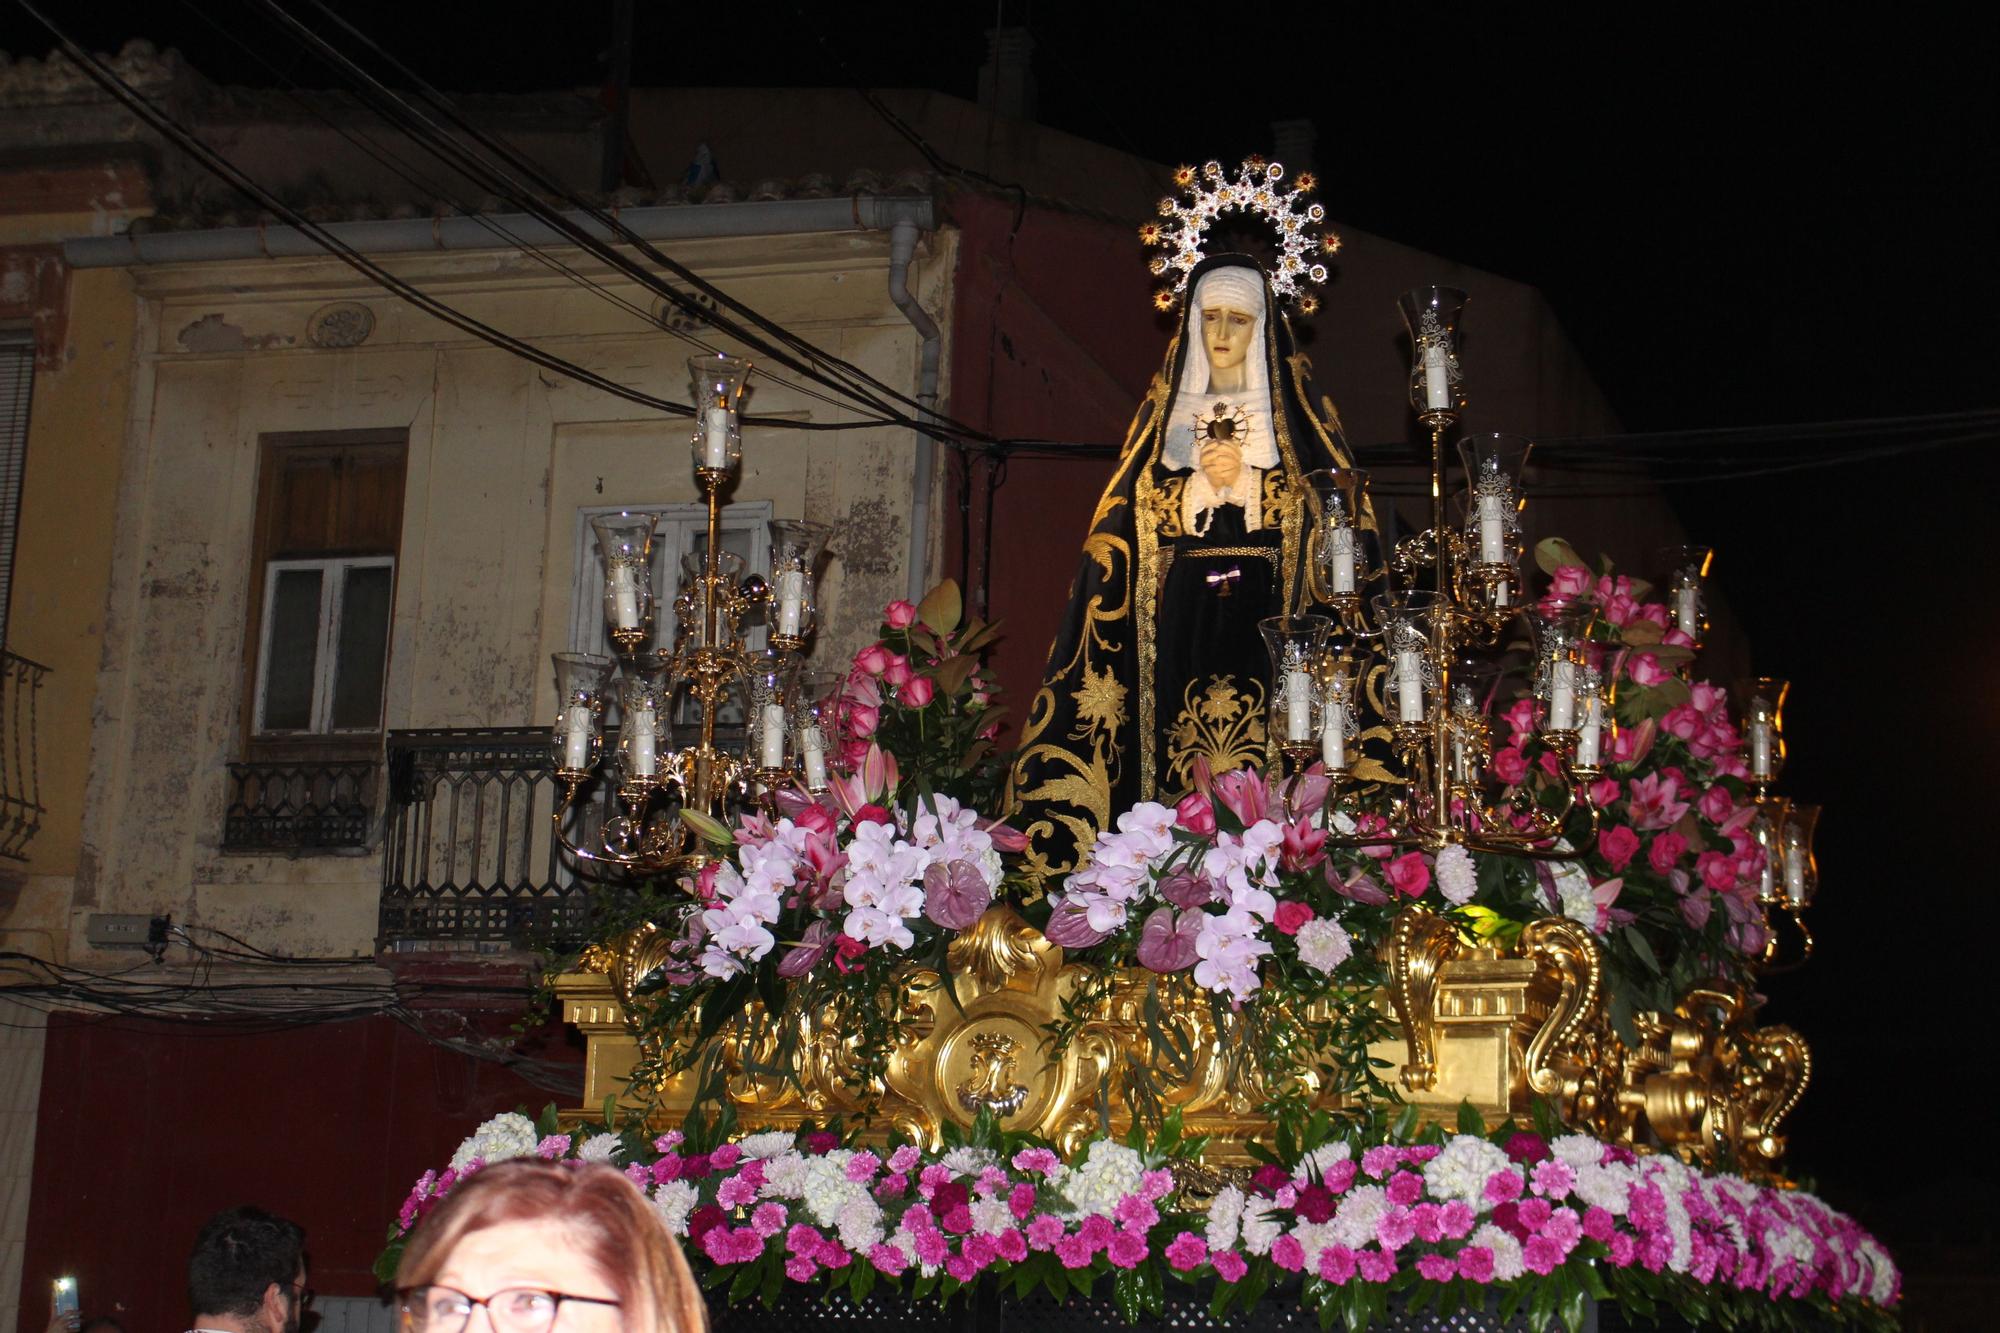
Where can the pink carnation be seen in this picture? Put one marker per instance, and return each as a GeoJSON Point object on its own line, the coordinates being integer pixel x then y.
{"type": "Point", "coordinates": [1288, 1254]}
{"type": "Point", "coordinates": [1187, 1252]}
{"type": "Point", "coordinates": [1127, 1250]}
{"type": "Point", "coordinates": [1336, 1264]}
{"type": "Point", "coordinates": [1475, 1263]}
{"type": "Point", "coordinates": [1229, 1266]}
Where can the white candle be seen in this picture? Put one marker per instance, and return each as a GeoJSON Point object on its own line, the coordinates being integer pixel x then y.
{"type": "Point", "coordinates": [1343, 559]}
{"type": "Point", "coordinates": [715, 444]}
{"type": "Point", "coordinates": [642, 751]}
{"type": "Point", "coordinates": [1795, 876]}
{"type": "Point", "coordinates": [1437, 382]}
{"type": "Point", "coordinates": [1298, 706]}
{"type": "Point", "coordinates": [773, 755]}
{"type": "Point", "coordinates": [1590, 740]}
{"type": "Point", "coordinates": [815, 752]}
{"type": "Point", "coordinates": [1766, 880]}
{"type": "Point", "coordinates": [576, 738]}
{"type": "Point", "coordinates": [624, 595]}
{"type": "Point", "coordinates": [1760, 749]}
{"type": "Point", "coordinates": [1562, 696]}
{"type": "Point", "coordinates": [791, 601]}
{"type": "Point", "coordinates": [1687, 611]}
{"type": "Point", "coordinates": [1409, 685]}
{"type": "Point", "coordinates": [1501, 593]}
{"type": "Point", "coordinates": [1492, 529]}
{"type": "Point", "coordinates": [1333, 735]}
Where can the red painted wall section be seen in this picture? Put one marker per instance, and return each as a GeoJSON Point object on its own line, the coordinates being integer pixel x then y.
{"type": "Point", "coordinates": [1055, 338]}
{"type": "Point", "coordinates": [148, 1128]}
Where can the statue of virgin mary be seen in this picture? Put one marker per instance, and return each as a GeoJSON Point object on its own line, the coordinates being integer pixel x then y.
{"type": "Point", "coordinates": [1199, 535]}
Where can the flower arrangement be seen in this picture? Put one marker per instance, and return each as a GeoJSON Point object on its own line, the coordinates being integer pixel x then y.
{"type": "Point", "coordinates": [1534, 1221]}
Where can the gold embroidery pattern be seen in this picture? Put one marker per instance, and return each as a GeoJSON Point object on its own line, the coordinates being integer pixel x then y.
{"type": "Point", "coordinates": [1224, 722]}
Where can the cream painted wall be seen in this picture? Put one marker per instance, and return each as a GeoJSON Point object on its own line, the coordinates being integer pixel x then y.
{"type": "Point", "coordinates": [502, 454]}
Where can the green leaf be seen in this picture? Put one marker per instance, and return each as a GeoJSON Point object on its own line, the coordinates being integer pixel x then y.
{"type": "Point", "coordinates": [942, 607]}
{"type": "Point", "coordinates": [1573, 1302]}
{"type": "Point", "coordinates": [1552, 553]}
{"type": "Point", "coordinates": [1469, 1119]}
{"type": "Point", "coordinates": [745, 1280]}
{"type": "Point", "coordinates": [1642, 949]}
{"type": "Point", "coordinates": [1406, 1124]}
{"type": "Point", "coordinates": [862, 1284]}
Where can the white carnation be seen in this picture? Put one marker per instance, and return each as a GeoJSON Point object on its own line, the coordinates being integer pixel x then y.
{"type": "Point", "coordinates": [860, 1223]}
{"type": "Point", "coordinates": [1354, 1225]}
{"type": "Point", "coordinates": [1577, 1151]}
{"type": "Point", "coordinates": [1315, 1164]}
{"type": "Point", "coordinates": [598, 1148]}
{"type": "Point", "coordinates": [505, 1136]}
{"type": "Point", "coordinates": [784, 1177]}
{"type": "Point", "coordinates": [772, 1144]}
{"type": "Point", "coordinates": [1260, 1229]}
{"type": "Point", "coordinates": [1506, 1251]}
{"type": "Point", "coordinates": [1462, 1170]}
{"type": "Point", "coordinates": [1108, 1174]}
{"type": "Point", "coordinates": [969, 1161]}
{"type": "Point", "coordinates": [1224, 1212]}
{"type": "Point", "coordinates": [991, 1215]}
{"type": "Point", "coordinates": [826, 1189]}
{"type": "Point", "coordinates": [1606, 1187]}
{"type": "Point", "coordinates": [673, 1201]}
{"type": "Point", "coordinates": [1324, 944]}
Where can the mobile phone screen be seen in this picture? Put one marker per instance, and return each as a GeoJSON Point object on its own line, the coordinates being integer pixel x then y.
{"type": "Point", "coordinates": [65, 1295]}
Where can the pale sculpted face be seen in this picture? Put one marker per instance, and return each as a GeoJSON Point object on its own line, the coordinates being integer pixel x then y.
{"type": "Point", "coordinates": [534, 1252]}
{"type": "Point", "coordinates": [1226, 333]}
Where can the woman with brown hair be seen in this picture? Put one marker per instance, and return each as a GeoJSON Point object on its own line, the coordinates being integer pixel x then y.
{"type": "Point", "coordinates": [535, 1246]}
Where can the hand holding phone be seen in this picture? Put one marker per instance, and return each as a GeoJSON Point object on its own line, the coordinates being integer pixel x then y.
{"type": "Point", "coordinates": [64, 1309]}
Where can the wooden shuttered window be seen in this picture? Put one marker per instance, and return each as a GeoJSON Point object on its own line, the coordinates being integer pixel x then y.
{"type": "Point", "coordinates": [329, 523]}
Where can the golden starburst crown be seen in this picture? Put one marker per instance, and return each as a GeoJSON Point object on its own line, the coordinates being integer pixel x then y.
{"type": "Point", "coordinates": [1256, 188]}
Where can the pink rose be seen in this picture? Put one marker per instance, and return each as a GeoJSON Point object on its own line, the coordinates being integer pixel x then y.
{"type": "Point", "coordinates": [1716, 805]}
{"type": "Point", "coordinates": [899, 615]}
{"type": "Point", "coordinates": [896, 672]}
{"type": "Point", "coordinates": [1510, 766]}
{"type": "Point", "coordinates": [1666, 852]}
{"type": "Point", "coordinates": [1717, 870]}
{"type": "Point", "coordinates": [1619, 608]}
{"type": "Point", "coordinates": [862, 720]}
{"type": "Point", "coordinates": [1290, 916]}
{"type": "Point", "coordinates": [873, 814]}
{"type": "Point", "coordinates": [1410, 874]}
{"type": "Point", "coordinates": [874, 659]}
{"type": "Point", "coordinates": [1604, 791]}
{"type": "Point", "coordinates": [1196, 815]}
{"type": "Point", "coordinates": [1683, 721]}
{"type": "Point", "coordinates": [917, 692]}
{"type": "Point", "coordinates": [1618, 845]}
{"type": "Point", "coordinates": [1569, 582]}
{"type": "Point", "coordinates": [1645, 669]}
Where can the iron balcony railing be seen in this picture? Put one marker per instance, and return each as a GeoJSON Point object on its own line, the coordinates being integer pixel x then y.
{"type": "Point", "coordinates": [300, 807]}
{"type": "Point", "coordinates": [20, 776]}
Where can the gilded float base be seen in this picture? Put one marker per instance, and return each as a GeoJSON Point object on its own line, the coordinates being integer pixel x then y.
{"type": "Point", "coordinates": [1473, 1027]}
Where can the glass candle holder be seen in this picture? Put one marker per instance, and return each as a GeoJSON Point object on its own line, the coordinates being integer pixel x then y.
{"type": "Point", "coordinates": [1406, 649]}
{"type": "Point", "coordinates": [1437, 389]}
{"type": "Point", "coordinates": [1687, 587]}
{"type": "Point", "coordinates": [1767, 818]}
{"type": "Point", "coordinates": [1295, 644]}
{"type": "Point", "coordinates": [815, 725]}
{"type": "Point", "coordinates": [626, 541]}
{"type": "Point", "coordinates": [1336, 563]}
{"type": "Point", "coordinates": [1495, 470]}
{"type": "Point", "coordinates": [1338, 724]}
{"type": "Point", "coordinates": [716, 624]}
{"type": "Point", "coordinates": [1801, 868]}
{"type": "Point", "coordinates": [644, 725]}
{"type": "Point", "coordinates": [1592, 714]}
{"type": "Point", "coordinates": [1761, 702]}
{"type": "Point", "coordinates": [1560, 629]}
{"type": "Point", "coordinates": [716, 384]}
{"type": "Point", "coordinates": [770, 677]}
{"type": "Point", "coordinates": [796, 547]}
{"type": "Point", "coordinates": [578, 737]}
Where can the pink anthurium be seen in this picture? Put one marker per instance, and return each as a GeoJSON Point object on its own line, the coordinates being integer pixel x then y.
{"type": "Point", "coordinates": [1166, 940]}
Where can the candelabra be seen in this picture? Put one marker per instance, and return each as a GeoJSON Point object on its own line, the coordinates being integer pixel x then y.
{"type": "Point", "coordinates": [1782, 829]}
{"type": "Point", "coordinates": [661, 791]}
{"type": "Point", "coordinates": [1407, 652]}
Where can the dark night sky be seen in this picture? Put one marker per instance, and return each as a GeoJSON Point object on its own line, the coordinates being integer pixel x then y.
{"type": "Point", "coordinates": [1739, 222]}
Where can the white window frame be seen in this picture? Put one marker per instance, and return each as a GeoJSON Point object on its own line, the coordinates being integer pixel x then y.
{"type": "Point", "coordinates": [332, 592]}
{"type": "Point", "coordinates": [679, 525]}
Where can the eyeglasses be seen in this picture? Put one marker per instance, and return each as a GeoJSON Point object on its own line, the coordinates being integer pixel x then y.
{"type": "Point", "coordinates": [516, 1310]}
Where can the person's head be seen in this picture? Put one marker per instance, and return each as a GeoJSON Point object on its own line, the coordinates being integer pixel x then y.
{"type": "Point", "coordinates": [528, 1227]}
{"type": "Point", "coordinates": [1228, 309]}
{"type": "Point", "coordinates": [250, 1268]}
{"type": "Point", "coordinates": [103, 1323]}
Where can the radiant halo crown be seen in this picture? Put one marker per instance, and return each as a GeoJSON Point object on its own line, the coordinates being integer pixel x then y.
{"type": "Point", "coordinates": [1256, 188]}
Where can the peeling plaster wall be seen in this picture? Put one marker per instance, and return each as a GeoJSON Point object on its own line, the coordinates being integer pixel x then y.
{"type": "Point", "coordinates": [501, 456]}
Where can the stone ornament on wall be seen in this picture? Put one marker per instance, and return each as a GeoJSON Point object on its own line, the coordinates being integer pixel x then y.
{"type": "Point", "coordinates": [342, 324]}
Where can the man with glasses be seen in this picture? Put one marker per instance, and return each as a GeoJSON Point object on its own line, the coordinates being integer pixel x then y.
{"type": "Point", "coordinates": [248, 1274]}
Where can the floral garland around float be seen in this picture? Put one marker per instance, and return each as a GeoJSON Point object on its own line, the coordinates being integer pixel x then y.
{"type": "Point", "coordinates": [1517, 1221]}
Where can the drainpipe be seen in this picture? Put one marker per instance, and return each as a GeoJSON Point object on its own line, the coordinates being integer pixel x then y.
{"type": "Point", "coordinates": [902, 246]}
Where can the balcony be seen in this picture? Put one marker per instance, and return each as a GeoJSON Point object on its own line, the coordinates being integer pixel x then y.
{"type": "Point", "coordinates": [20, 778]}
{"type": "Point", "coordinates": [300, 808]}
